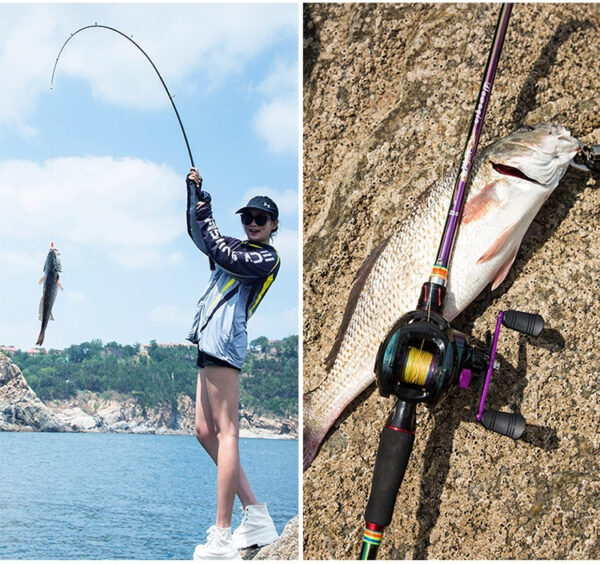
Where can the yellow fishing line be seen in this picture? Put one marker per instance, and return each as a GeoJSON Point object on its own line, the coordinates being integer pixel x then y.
{"type": "Point", "coordinates": [417, 366]}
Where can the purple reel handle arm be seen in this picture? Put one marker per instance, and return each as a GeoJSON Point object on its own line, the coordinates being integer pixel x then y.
{"type": "Point", "coordinates": [509, 424]}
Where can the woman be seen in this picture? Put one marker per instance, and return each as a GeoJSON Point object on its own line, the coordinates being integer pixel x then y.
{"type": "Point", "coordinates": [243, 271]}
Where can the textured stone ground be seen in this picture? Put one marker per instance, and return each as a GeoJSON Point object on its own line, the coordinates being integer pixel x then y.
{"type": "Point", "coordinates": [389, 93]}
{"type": "Point", "coordinates": [284, 548]}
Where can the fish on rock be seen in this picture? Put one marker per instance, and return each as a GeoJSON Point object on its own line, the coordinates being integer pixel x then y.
{"type": "Point", "coordinates": [52, 267]}
{"type": "Point", "coordinates": [510, 181]}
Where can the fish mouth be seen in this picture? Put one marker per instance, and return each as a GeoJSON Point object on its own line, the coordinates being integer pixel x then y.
{"type": "Point", "coordinates": [507, 170]}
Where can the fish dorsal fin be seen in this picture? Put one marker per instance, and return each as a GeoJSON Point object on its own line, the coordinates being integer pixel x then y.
{"type": "Point", "coordinates": [501, 274]}
{"type": "Point", "coordinates": [478, 206]}
{"type": "Point", "coordinates": [499, 244]}
{"type": "Point", "coordinates": [357, 286]}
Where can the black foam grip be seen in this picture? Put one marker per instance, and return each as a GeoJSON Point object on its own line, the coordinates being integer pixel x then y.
{"type": "Point", "coordinates": [392, 459]}
{"type": "Point", "coordinates": [528, 323]}
{"type": "Point", "coordinates": [509, 424]}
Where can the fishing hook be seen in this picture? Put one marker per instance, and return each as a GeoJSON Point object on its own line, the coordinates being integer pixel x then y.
{"type": "Point", "coordinates": [96, 25]}
{"type": "Point", "coordinates": [590, 155]}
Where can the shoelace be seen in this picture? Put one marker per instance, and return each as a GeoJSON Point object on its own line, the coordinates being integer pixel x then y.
{"type": "Point", "coordinates": [244, 516]}
{"type": "Point", "coordinates": [210, 533]}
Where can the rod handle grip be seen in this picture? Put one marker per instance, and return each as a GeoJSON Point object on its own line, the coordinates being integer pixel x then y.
{"type": "Point", "coordinates": [508, 424]}
{"type": "Point", "coordinates": [393, 453]}
{"type": "Point", "coordinates": [528, 323]}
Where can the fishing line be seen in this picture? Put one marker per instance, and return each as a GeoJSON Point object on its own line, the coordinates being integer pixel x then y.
{"type": "Point", "coordinates": [418, 366]}
{"type": "Point", "coordinates": [99, 26]}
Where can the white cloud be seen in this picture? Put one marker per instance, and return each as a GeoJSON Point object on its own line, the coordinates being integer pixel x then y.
{"type": "Point", "coordinates": [276, 121]}
{"type": "Point", "coordinates": [128, 209]}
{"type": "Point", "coordinates": [286, 243]}
{"type": "Point", "coordinates": [77, 296]}
{"type": "Point", "coordinates": [170, 314]}
{"type": "Point", "coordinates": [17, 263]}
{"type": "Point", "coordinates": [181, 39]}
{"type": "Point", "coordinates": [285, 323]}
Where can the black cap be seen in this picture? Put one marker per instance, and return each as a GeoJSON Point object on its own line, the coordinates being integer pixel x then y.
{"type": "Point", "coordinates": [263, 203]}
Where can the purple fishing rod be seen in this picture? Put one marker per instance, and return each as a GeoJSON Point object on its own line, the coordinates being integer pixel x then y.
{"type": "Point", "coordinates": [433, 295]}
{"type": "Point", "coordinates": [423, 357]}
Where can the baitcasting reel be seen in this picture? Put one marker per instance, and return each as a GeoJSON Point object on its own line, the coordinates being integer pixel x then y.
{"type": "Point", "coordinates": [423, 357]}
{"type": "Point", "coordinates": [420, 360]}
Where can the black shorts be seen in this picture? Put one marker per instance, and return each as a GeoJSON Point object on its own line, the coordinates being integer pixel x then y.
{"type": "Point", "coordinates": [209, 360]}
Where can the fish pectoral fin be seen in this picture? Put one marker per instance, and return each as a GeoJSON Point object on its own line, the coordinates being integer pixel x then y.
{"type": "Point", "coordinates": [501, 274]}
{"type": "Point", "coordinates": [59, 284]}
{"type": "Point", "coordinates": [499, 244]}
{"type": "Point", "coordinates": [42, 279]}
{"type": "Point", "coordinates": [478, 206]}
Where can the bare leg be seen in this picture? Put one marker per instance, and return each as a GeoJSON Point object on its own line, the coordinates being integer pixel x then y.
{"type": "Point", "coordinates": [223, 398]}
{"type": "Point", "coordinates": [207, 437]}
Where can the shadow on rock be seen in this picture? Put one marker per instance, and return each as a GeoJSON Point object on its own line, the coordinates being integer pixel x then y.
{"type": "Point", "coordinates": [527, 100]}
{"type": "Point", "coordinates": [312, 42]}
{"type": "Point", "coordinates": [506, 389]}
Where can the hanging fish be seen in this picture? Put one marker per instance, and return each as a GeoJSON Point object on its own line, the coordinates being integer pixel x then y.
{"type": "Point", "coordinates": [52, 267]}
{"type": "Point", "coordinates": [511, 179]}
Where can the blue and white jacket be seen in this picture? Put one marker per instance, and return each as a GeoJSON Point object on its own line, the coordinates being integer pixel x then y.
{"type": "Point", "coordinates": [243, 273]}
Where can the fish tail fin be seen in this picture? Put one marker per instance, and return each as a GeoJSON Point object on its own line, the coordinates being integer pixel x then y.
{"type": "Point", "coordinates": [313, 432]}
{"type": "Point", "coordinates": [41, 337]}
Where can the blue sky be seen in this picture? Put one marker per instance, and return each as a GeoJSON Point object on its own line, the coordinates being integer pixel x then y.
{"type": "Point", "coordinates": [98, 164]}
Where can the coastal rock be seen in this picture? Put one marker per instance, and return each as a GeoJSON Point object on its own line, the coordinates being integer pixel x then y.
{"type": "Point", "coordinates": [284, 548]}
{"type": "Point", "coordinates": [389, 92]}
{"type": "Point", "coordinates": [20, 408]}
{"type": "Point", "coordinates": [268, 426]}
{"type": "Point", "coordinates": [77, 419]}
{"type": "Point", "coordinates": [113, 413]}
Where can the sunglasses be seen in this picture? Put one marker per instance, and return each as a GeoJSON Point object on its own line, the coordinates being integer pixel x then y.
{"type": "Point", "coordinates": [260, 219]}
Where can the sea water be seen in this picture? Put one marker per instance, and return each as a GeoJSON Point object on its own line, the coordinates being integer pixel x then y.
{"type": "Point", "coordinates": [120, 496]}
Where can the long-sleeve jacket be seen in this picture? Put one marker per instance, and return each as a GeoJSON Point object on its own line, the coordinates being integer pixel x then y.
{"type": "Point", "coordinates": [242, 275]}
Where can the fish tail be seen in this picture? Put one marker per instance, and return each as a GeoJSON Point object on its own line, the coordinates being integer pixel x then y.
{"type": "Point", "coordinates": [313, 432]}
{"type": "Point", "coordinates": [41, 337]}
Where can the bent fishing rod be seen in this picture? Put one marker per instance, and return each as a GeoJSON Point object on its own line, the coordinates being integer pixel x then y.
{"type": "Point", "coordinates": [201, 195]}
{"type": "Point", "coordinates": [130, 39]}
{"type": "Point", "coordinates": [423, 357]}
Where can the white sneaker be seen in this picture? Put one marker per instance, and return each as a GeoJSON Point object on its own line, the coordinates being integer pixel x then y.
{"type": "Point", "coordinates": [257, 527]}
{"type": "Point", "coordinates": [219, 546]}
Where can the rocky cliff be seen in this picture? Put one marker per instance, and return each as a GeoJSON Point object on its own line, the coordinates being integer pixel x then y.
{"type": "Point", "coordinates": [115, 413]}
{"type": "Point", "coordinates": [20, 408]}
{"type": "Point", "coordinates": [389, 92]}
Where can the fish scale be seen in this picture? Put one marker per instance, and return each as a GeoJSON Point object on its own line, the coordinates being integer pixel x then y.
{"type": "Point", "coordinates": [501, 206]}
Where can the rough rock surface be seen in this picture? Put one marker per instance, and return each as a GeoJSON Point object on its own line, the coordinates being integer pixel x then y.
{"type": "Point", "coordinates": [285, 548]}
{"type": "Point", "coordinates": [20, 408]}
{"type": "Point", "coordinates": [91, 411]}
{"type": "Point", "coordinates": [388, 96]}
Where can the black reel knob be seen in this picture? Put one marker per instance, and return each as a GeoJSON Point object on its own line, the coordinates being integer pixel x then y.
{"type": "Point", "coordinates": [508, 424]}
{"type": "Point", "coordinates": [529, 323]}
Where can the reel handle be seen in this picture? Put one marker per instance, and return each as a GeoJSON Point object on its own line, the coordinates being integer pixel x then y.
{"type": "Point", "coordinates": [529, 323]}
{"type": "Point", "coordinates": [395, 446]}
{"type": "Point", "coordinates": [508, 424]}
